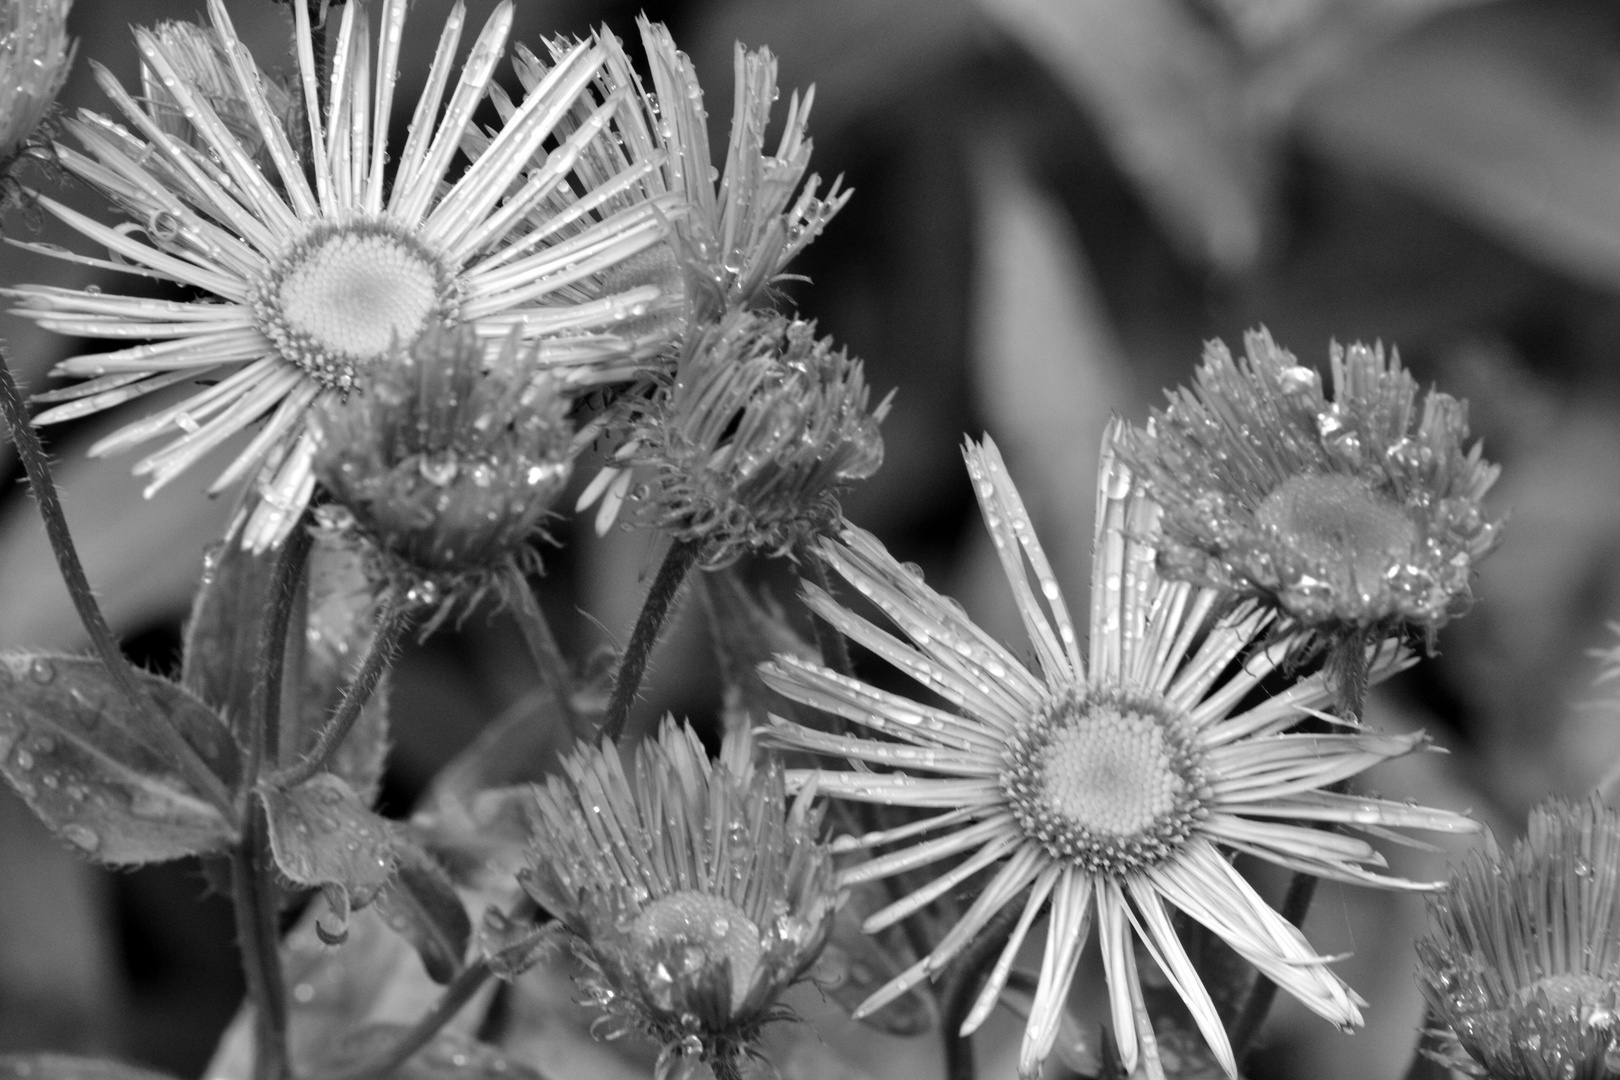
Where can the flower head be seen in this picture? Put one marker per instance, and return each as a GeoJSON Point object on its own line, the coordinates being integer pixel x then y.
{"type": "Point", "coordinates": [307, 282]}
{"type": "Point", "coordinates": [749, 446]}
{"type": "Point", "coordinates": [1523, 965]}
{"type": "Point", "coordinates": [1360, 514]}
{"type": "Point", "coordinates": [34, 62]}
{"type": "Point", "coordinates": [1099, 789]}
{"type": "Point", "coordinates": [445, 469]}
{"type": "Point", "coordinates": [697, 894]}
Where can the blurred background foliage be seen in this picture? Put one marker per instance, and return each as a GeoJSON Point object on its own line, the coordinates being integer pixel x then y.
{"type": "Point", "coordinates": [1057, 202]}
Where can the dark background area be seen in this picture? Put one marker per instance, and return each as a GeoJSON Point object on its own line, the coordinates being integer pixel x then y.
{"type": "Point", "coordinates": [1057, 202]}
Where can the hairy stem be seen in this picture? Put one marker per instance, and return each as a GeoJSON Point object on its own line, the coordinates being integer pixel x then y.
{"type": "Point", "coordinates": [834, 649]}
{"type": "Point", "coordinates": [180, 752]}
{"type": "Point", "coordinates": [269, 670]}
{"type": "Point", "coordinates": [680, 559]}
{"type": "Point", "coordinates": [967, 976]}
{"type": "Point", "coordinates": [543, 649]}
{"type": "Point", "coordinates": [392, 624]}
{"type": "Point", "coordinates": [253, 893]}
{"type": "Point", "coordinates": [455, 997]}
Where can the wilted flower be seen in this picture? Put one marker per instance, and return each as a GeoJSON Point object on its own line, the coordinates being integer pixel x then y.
{"type": "Point", "coordinates": [1360, 515]}
{"type": "Point", "coordinates": [34, 62]}
{"type": "Point", "coordinates": [1101, 790]}
{"type": "Point", "coordinates": [696, 893]}
{"type": "Point", "coordinates": [1523, 966]}
{"type": "Point", "coordinates": [749, 447]}
{"type": "Point", "coordinates": [445, 469]}
{"type": "Point", "coordinates": [737, 237]}
{"type": "Point", "coordinates": [308, 280]}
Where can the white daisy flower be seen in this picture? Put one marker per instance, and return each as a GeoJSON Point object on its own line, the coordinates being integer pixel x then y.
{"type": "Point", "coordinates": [1101, 790]}
{"type": "Point", "coordinates": [306, 272]}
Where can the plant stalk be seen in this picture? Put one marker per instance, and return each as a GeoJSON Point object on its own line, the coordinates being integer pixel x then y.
{"type": "Point", "coordinates": [186, 759]}
{"type": "Point", "coordinates": [678, 562]}
{"type": "Point", "coordinates": [392, 624]}
{"type": "Point", "coordinates": [258, 936]}
{"type": "Point", "coordinates": [543, 649]}
{"type": "Point", "coordinates": [968, 974]}
{"type": "Point", "coordinates": [455, 997]}
{"type": "Point", "coordinates": [834, 649]}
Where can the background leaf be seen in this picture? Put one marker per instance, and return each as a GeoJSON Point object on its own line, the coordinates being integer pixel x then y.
{"type": "Point", "coordinates": [420, 904]}
{"type": "Point", "coordinates": [67, 1067]}
{"type": "Point", "coordinates": [323, 837]}
{"type": "Point", "coordinates": [222, 635]}
{"type": "Point", "coordinates": [70, 745]}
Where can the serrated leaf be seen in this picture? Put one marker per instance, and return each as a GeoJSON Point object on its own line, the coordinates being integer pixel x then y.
{"type": "Point", "coordinates": [513, 944]}
{"type": "Point", "coordinates": [447, 1057]}
{"type": "Point", "coordinates": [340, 626]}
{"type": "Point", "coordinates": [71, 745]}
{"type": "Point", "coordinates": [420, 904]}
{"type": "Point", "coordinates": [222, 636]}
{"type": "Point", "coordinates": [70, 1067]}
{"type": "Point", "coordinates": [323, 837]}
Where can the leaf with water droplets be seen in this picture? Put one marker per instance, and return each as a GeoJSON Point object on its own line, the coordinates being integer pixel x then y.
{"type": "Point", "coordinates": [323, 837]}
{"type": "Point", "coordinates": [74, 748]}
{"type": "Point", "coordinates": [69, 1067]}
{"type": "Point", "coordinates": [447, 1057]}
{"type": "Point", "coordinates": [222, 637]}
{"type": "Point", "coordinates": [420, 904]}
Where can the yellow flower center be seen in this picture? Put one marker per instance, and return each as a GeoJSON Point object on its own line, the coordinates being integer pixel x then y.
{"type": "Point", "coordinates": [1111, 782]}
{"type": "Point", "coordinates": [688, 934]}
{"type": "Point", "coordinates": [342, 297]}
{"type": "Point", "coordinates": [1350, 534]}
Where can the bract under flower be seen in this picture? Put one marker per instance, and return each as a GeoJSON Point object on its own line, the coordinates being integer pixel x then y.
{"type": "Point", "coordinates": [308, 276]}
{"type": "Point", "coordinates": [1360, 514]}
{"type": "Point", "coordinates": [696, 893]}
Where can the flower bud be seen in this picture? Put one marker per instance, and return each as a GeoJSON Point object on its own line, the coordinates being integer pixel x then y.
{"type": "Point", "coordinates": [446, 469]}
{"type": "Point", "coordinates": [34, 61]}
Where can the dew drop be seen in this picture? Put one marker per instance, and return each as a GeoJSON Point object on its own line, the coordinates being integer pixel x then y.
{"type": "Point", "coordinates": [81, 837]}
{"type": "Point", "coordinates": [42, 671]}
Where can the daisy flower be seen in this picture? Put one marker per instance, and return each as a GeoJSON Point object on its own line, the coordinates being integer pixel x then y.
{"type": "Point", "coordinates": [1102, 789]}
{"type": "Point", "coordinates": [1523, 966]}
{"type": "Point", "coordinates": [304, 273]}
{"type": "Point", "coordinates": [696, 893]}
{"type": "Point", "coordinates": [1357, 516]}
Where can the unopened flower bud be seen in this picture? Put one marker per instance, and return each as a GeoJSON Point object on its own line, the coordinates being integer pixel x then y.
{"type": "Point", "coordinates": [34, 61]}
{"type": "Point", "coordinates": [762, 427]}
{"type": "Point", "coordinates": [447, 469]}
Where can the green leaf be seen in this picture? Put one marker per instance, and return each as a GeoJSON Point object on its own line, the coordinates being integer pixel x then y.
{"type": "Point", "coordinates": [222, 636]}
{"type": "Point", "coordinates": [71, 745]}
{"type": "Point", "coordinates": [749, 629]}
{"type": "Point", "coordinates": [420, 904]}
{"type": "Point", "coordinates": [447, 1057]}
{"type": "Point", "coordinates": [323, 837]}
{"type": "Point", "coordinates": [69, 1067]}
{"type": "Point", "coordinates": [340, 627]}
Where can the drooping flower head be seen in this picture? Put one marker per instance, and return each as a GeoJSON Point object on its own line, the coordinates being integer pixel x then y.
{"type": "Point", "coordinates": [1100, 789]}
{"type": "Point", "coordinates": [444, 469]}
{"type": "Point", "coordinates": [697, 893]}
{"type": "Point", "coordinates": [34, 62]}
{"type": "Point", "coordinates": [1523, 964]}
{"type": "Point", "coordinates": [306, 282]}
{"type": "Point", "coordinates": [749, 446]}
{"type": "Point", "coordinates": [1360, 514]}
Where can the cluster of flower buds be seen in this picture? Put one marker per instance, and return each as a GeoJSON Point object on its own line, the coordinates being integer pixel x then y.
{"type": "Point", "coordinates": [445, 470]}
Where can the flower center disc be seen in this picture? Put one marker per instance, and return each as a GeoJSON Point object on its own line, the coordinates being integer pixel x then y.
{"type": "Point", "coordinates": [342, 297]}
{"type": "Point", "coordinates": [1352, 535]}
{"type": "Point", "coordinates": [1568, 991]}
{"type": "Point", "coordinates": [1112, 783]}
{"type": "Point", "coordinates": [703, 930]}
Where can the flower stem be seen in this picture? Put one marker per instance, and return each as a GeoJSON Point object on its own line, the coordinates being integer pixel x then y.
{"type": "Point", "coordinates": [968, 975]}
{"type": "Point", "coordinates": [834, 649]}
{"type": "Point", "coordinates": [1262, 992]}
{"type": "Point", "coordinates": [253, 893]}
{"type": "Point", "coordinates": [680, 559]}
{"type": "Point", "coordinates": [270, 669]}
{"type": "Point", "coordinates": [180, 752]}
{"type": "Point", "coordinates": [543, 648]}
{"type": "Point", "coordinates": [455, 997]}
{"type": "Point", "coordinates": [392, 624]}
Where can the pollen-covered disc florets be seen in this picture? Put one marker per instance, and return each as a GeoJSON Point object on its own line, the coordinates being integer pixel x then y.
{"type": "Point", "coordinates": [447, 470]}
{"type": "Point", "coordinates": [762, 427]}
{"type": "Point", "coordinates": [696, 894]}
{"type": "Point", "coordinates": [1110, 781]}
{"type": "Point", "coordinates": [1523, 964]}
{"type": "Point", "coordinates": [343, 296]}
{"type": "Point", "coordinates": [34, 62]}
{"type": "Point", "coordinates": [1361, 513]}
